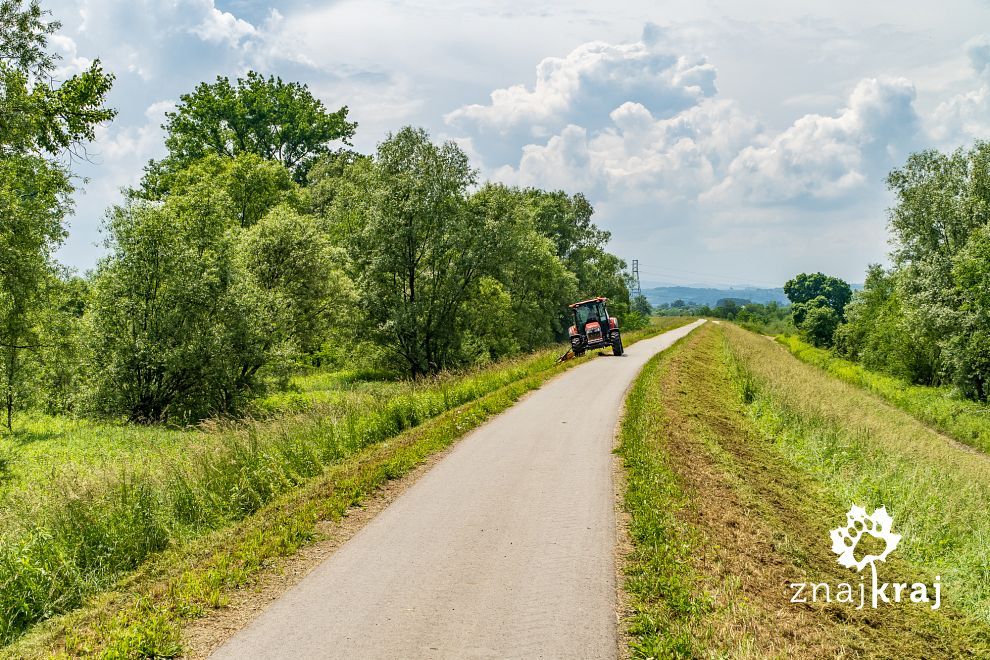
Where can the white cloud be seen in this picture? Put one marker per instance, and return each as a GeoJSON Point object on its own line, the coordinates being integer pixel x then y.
{"type": "Point", "coordinates": [966, 116]}
{"type": "Point", "coordinates": [978, 50]}
{"type": "Point", "coordinates": [827, 158]}
{"type": "Point", "coordinates": [564, 162]}
{"type": "Point", "coordinates": [638, 124]}
{"type": "Point", "coordinates": [584, 87]}
{"type": "Point", "coordinates": [72, 63]}
{"type": "Point", "coordinates": [124, 150]}
{"type": "Point", "coordinates": [697, 147]}
{"type": "Point", "coordinates": [221, 26]}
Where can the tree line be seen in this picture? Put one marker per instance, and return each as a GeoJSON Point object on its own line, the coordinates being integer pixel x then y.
{"type": "Point", "coordinates": [262, 242]}
{"type": "Point", "coordinates": [927, 317]}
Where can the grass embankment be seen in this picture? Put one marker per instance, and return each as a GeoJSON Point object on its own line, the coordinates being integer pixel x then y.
{"type": "Point", "coordinates": [143, 552]}
{"type": "Point", "coordinates": [966, 421]}
{"type": "Point", "coordinates": [739, 460]}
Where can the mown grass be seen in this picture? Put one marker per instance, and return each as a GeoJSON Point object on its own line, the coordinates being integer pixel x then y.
{"type": "Point", "coordinates": [740, 459]}
{"type": "Point", "coordinates": [59, 552]}
{"type": "Point", "coordinates": [873, 453]}
{"type": "Point", "coordinates": [966, 421]}
{"type": "Point", "coordinates": [659, 571]}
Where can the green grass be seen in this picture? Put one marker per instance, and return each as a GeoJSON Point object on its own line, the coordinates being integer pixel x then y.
{"type": "Point", "coordinates": [966, 421]}
{"type": "Point", "coordinates": [74, 529]}
{"type": "Point", "coordinates": [870, 452]}
{"type": "Point", "coordinates": [739, 460]}
{"type": "Point", "coordinates": [659, 571]}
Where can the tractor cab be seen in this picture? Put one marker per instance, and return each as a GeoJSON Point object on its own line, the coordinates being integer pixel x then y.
{"type": "Point", "coordinates": [593, 327]}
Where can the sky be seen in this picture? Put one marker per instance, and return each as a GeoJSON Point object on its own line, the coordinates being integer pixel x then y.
{"type": "Point", "coordinates": [721, 142]}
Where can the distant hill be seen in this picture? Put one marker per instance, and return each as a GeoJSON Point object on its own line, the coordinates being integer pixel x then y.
{"type": "Point", "coordinates": [704, 296]}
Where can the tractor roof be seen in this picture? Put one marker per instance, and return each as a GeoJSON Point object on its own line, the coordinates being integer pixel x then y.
{"type": "Point", "coordinates": [588, 301]}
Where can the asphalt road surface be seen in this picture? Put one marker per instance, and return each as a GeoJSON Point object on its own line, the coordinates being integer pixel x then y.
{"type": "Point", "coordinates": [505, 549]}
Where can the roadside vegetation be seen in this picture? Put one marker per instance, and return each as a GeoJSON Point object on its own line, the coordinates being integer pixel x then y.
{"type": "Point", "coordinates": [270, 304]}
{"type": "Point", "coordinates": [767, 319]}
{"type": "Point", "coordinates": [137, 553]}
{"type": "Point", "coordinates": [926, 319]}
{"type": "Point", "coordinates": [740, 459]}
{"type": "Point", "coordinates": [965, 420]}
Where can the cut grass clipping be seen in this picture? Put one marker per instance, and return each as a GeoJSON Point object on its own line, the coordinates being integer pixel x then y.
{"type": "Point", "coordinates": [178, 535]}
{"type": "Point", "coordinates": [739, 461]}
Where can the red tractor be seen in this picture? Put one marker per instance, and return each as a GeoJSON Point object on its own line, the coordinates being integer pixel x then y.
{"type": "Point", "coordinates": [593, 327]}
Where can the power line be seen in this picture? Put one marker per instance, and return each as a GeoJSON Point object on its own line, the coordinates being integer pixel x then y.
{"type": "Point", "coordinates": [662, 271]}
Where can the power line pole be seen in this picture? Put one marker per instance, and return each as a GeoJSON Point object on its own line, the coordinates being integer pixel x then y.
{"type": "Point", "coordinates": [635, 277]}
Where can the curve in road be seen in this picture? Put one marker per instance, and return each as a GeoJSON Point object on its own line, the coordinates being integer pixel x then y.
{"type": "Point", "coordinates": [504, 549]}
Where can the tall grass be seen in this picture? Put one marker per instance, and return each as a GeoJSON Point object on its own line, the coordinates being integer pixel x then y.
{"type": "Point", "coordinates": [966, 421]}
{"type": "Point", "coordinates": [870, 453]}
{"type": "Point", "coordinates": [90, 526]}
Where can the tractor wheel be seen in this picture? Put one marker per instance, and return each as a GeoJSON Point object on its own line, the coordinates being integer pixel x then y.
{"type": "Point", "coordinates": [578, 352]}
{"type": "Point", "coordinates": [617, 346]}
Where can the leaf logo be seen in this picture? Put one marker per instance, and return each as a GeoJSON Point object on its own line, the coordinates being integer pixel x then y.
{"type": "Point", "coordinates": [878, 525]}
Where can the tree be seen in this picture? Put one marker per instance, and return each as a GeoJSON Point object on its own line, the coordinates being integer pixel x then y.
{"type": "Point", "coordinates": [968, 348]}
{"type": "Point", "coordinates": [537, 284]}
{"type": "Point", "coordinates": [38, 121]}
{"type": "Point", "coordinates": [809, 294]}
{"type": "Point", "coordinates": [263, 116]}
{"type": "Point", "coordinates": [172, 324]}
{"type": "Point", "coordinates": [253, 185]}
{"type": "Point", "coordinates": [298, 281]}
{"type": "Point", "coordinates": [641, 305]}
{"type": "Point", "coordinates": [565, 220]}
{"type": "Point", "coordinates": [805, 287]}
{"type": "Point", "coordinates": [34, 197]}
{"type": "Point", "coordinates": [418, 248]}
{"type": "Point", "coordinates": [580, 245]}
{"type": "Point", "coordinates": [817, 319]}
{"type": "Point", "coordinates": [876, 332]}
{"type": "Point", "coordinates": [37, 116]}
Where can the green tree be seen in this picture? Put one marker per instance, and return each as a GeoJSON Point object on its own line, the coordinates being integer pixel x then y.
{"type": "Point", "coordinates": [298, 281]}
{"type": "Point", "coordinates": [876, 332]}
{"type": "Point", "coordinates": [39, 120]}
{"type": "Point", "coordinates": [641, 305]}
{"type": "Point", "coordinates": [34, 197]}
{"type": "Point", "coordinates": [806, 287]}
{"type": "Point", "coordinates": [808, 294]}
{"type": "Point", "coordinates": [817, 319]}
{"type": "Point", "coordinates": [38, 116]}
{"type": "Point", "coordinates": [264, 116]}
{"type": "Point", "coordinates": [968, 348]}
{"type": "Point", "coordinates": [418, 249]}
{"type": "Point", "coordinates": [253, 185]}
{"type": "Point", "coordinates": [565, 220]}
{"type": "Point", "coordinates": [172, 324]}
{"type": "Point", "coordinates": [537, 285]}
{"type": "Point", "coordinates": [942, 203]}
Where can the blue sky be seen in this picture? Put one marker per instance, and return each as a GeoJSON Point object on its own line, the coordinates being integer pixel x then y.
{"type": "Point", "coordinates": [720, 142]}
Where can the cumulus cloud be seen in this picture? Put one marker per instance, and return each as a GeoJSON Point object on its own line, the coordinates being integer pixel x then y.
{"type": "Point", "coordinates": [72, 63]}
{"type": "Point", "coordinates": [966, 116]}
{"type": "Point", "coordinates": [827, 158]}
{"type": "Point", "coordinates": [667, 137]}
{"type": "Point", "coordinates": [978, 50]}
{"type": "Point", "coordinates": [221, 26]}
{"type": "Point", "coordinates": [124, 150]}
{"type": "Point", "coordinates": [583, 88]}
{"type": "Point", "coordinates": [640, 157]}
